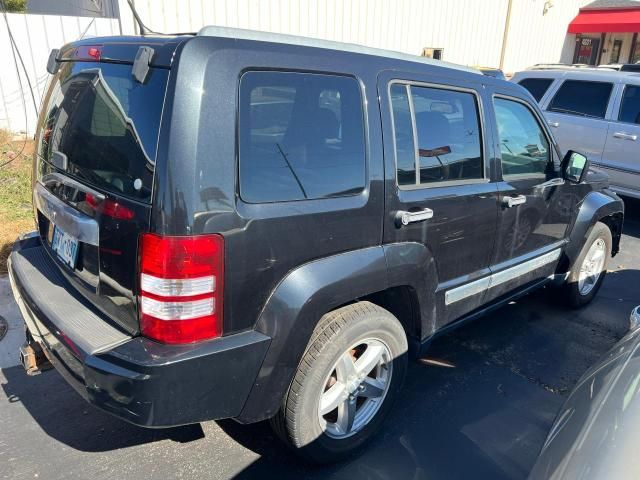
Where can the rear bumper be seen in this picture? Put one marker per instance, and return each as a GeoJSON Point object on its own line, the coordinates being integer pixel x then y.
{"type": "Point", "coordinates": [134, 378]}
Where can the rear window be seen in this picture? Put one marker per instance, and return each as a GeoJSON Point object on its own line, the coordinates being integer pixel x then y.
{"type": "Point", "coordinates": [537, 86]}
{"type": "Point", "coordinates": [101, 126]}
{"type": "Point", "coordinates": [578, 97]}
{"type": "Point", "coordinates": [301, 137]}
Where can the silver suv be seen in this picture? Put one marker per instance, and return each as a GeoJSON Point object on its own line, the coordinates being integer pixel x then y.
{"type": "Point", "coordinates": [595, 112]}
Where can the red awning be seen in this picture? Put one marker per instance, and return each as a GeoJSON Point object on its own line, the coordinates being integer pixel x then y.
{"type": "Point", "coordinates": [603, 21]}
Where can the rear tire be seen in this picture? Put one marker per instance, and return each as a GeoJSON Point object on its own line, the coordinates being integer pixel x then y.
{"type": "Point", "coordinates": [588, 271]}
{"type": "Point", "coordinates": [346, 383]}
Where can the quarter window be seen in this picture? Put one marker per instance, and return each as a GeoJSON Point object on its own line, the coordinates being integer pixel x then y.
{"type": "Point", "coordinates": [447, 145]}
{"type": "Point", "coordinates": [587, 99]}
{"type": "Point", "coordinates": [537, 86]}
{"type": "Point", "coordinates": [630, 107]}
{"type": "Point", "coordinates": [523, 145]}
{"type": "Point", "coordinates": [301, 137]}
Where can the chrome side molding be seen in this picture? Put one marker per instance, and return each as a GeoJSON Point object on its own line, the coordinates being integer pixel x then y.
{"type": "Point", "coordinates": [498, 278]}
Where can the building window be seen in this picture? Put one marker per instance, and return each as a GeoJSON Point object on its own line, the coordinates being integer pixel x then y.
{"type": "Point", "coordinates": [435, 53]}
{"type": "Point", "coordinates": [587, 50]}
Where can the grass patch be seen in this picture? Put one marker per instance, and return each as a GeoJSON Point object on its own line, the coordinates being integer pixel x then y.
{"type": "Point", "coordinates": [16, 214]}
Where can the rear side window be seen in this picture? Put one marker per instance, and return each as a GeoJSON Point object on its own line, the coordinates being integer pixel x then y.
{"type": "Point", "coordinates": [630, 107]}
{"type": "Point", "coordinates": [447, 145]}
{"type": "Point", "coordinates": [537, 86]}
{"type": "Point", "coordinates": [301, 137]}
{"type": "Point", "coordinates": [587, 99]}
{"type": "Point", "coordinates": [101, 126]}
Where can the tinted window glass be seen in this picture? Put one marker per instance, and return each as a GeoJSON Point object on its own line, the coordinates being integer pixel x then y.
{"type": "Point", "coordinates": [101, 126]}
{"type": "Point", "coordinates": [523, 145]}
{"type": "Point", "coordinates": [448, 135]}
{"type": "Point", "coordinates": [537, 86]}
{"type": "Point", "coordinates": [630, 108]}
{"type": "Point", "coordinates": [588, 99]}
{"type": "Point", "coordinates": [403, 132]}
{"type": "Point", "coordinates": [301, 136]}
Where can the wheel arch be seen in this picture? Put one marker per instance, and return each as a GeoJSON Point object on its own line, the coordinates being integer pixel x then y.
{"type": "Point", "coordinates": [603, 207]}
{"type": "Point", "coordinates": [383, 275]}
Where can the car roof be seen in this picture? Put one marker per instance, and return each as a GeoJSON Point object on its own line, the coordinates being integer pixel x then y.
{"type": "Point", "coordinates": [243, 34]}
{"type": "Point", "coordinates": [595, 74]}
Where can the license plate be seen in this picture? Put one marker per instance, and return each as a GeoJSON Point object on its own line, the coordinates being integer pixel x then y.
{"type": "Point", "coordinates": [65, 246]}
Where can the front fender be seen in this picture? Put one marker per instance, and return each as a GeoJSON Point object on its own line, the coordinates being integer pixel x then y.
{"type": "Point", "coordinates": [293, 310]}
{"type": "Point", "coordinates": [594, 207]}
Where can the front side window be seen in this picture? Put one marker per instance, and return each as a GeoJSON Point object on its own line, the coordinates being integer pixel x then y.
{"type": "Point", "coordinates": [301, 137]}
{"type": "Point", "coordinates": [586, 99]}
{"type": "Point", "coordinates": [523, 145]}
{"type": "Point", "coordinates": [630, 107]}
{"type": "Point", "coordinates": [537, 87]}
{"type": "Point", "coordinates": [447, 145]}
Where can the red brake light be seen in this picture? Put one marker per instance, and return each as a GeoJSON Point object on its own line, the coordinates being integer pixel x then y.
{"type": "Point", "coordinates": [88, 52]}
{"type": "Point", "coordinates": [181, 287]}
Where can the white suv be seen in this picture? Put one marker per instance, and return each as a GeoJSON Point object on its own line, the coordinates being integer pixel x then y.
{"type": "Point", "coordinates": [596, 113]}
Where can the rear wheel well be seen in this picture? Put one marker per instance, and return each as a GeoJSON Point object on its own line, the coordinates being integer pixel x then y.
{"type": "Point", "coordinates": [401, 302]}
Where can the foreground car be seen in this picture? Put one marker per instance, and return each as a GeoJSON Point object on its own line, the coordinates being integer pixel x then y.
{"type": "Point", "coordinates": [253, 226]}
{"type": "Point", "coordinates": [596, 432]}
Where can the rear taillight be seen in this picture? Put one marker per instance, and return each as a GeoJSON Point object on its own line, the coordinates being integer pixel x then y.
{"type": "Point", "coordinates": [181, 287]}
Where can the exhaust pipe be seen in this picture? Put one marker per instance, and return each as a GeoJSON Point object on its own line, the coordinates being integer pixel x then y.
{"type": "Point", "coordinates": [33, 359]}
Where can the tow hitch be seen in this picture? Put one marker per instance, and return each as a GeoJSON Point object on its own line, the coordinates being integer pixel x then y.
{"type": "Point", "coordinates": [33, 359]}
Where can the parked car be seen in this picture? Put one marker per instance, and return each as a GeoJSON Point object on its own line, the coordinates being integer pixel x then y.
{"type": "Point", "coordinates": [596, 431]}
{"type": "Point", "coordinates": [622, 67]}
{"type": "Point", "coordinates": [597, 112]}
{"type": "Point", "coordinates": [244, 225]}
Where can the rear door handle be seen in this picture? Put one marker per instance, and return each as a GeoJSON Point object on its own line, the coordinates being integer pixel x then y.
{"type": "Point", "coordinates": [554, 124]}
{"type": "Point", "coordinates": [405, 218]}
{"type": "Point", "coordinates": [514, 201]}
{"type": "Point", "coordinates": [626, 136]}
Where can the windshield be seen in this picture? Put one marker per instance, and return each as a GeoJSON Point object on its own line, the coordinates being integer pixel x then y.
{"type": "Point", "coordinates": [101, 126]}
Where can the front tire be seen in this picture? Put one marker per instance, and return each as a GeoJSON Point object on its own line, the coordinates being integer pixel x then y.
{"type": "Point", "coordinates": [345, 384]}
{"type": "Point", "coordinates": [588, 271]}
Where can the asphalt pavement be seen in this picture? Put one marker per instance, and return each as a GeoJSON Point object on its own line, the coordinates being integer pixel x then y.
{"type": "Point", "coordinates": [483, 413]}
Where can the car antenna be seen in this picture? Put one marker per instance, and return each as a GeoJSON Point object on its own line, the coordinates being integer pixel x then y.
{"type": "Point", "coordinates": [144, 30]}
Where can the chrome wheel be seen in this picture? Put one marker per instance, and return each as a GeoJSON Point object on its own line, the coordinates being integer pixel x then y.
{"type": "Point", "coordinates": [592, 267]}
{"type": "Point", "coordinates": [355, 388]}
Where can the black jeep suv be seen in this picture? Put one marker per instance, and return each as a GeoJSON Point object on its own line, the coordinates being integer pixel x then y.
{"type": "Point", "coordinates": [252, 226]}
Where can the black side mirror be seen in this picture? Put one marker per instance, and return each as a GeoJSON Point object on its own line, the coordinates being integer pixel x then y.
{"type": "Point", "coordinates": [574, 166]}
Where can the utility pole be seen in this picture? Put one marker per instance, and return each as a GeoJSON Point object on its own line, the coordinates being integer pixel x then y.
{"type": "Point", "coordinates": [505, 36]}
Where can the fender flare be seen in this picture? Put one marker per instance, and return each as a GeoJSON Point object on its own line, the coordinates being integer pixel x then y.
{"type": "Point", "coordinates": [594, 207]}
{"type": "Point", "coordinates": [301, 299]}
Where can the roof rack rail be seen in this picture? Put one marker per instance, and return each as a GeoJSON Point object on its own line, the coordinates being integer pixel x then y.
{"type": "Point", "coordinates": [243, 34]}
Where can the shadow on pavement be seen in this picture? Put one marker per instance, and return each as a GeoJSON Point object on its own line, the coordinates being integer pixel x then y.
{"type": "Point", "coordinates": [68, 418]}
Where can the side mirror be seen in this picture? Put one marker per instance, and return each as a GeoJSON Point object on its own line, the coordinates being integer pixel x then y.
{"type": "Point", "coordinates": [574, 166]}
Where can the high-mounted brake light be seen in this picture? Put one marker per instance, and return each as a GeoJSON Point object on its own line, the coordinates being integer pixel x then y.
{"type": "Point", "coordinates": [88, 52]}
{"type": "Point", "coordinates": [181, 287]}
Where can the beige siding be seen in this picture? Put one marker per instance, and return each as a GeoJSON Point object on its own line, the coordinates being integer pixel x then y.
{"type": "Point", "coordinates": [470, 31]}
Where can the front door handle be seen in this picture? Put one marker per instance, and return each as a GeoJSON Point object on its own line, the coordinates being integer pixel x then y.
{"type": "Point", "coordinates": [626, 136]}
{"type": "Point", "coordinates": [405, 218]}
{"type": "Point", "coordinates": [514, 201]}
{"type": "Point", "coordinates": [554, 124]}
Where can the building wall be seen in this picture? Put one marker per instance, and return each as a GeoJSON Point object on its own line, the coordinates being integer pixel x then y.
{"type": "Point", "coordinates": [36, 36]}
{"type": "Point", "coordinates": [470, 31]}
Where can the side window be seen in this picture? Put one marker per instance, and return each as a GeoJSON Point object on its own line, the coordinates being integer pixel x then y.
{"type": "Point", "coordinates": [301, 136]}
{"type": "Point", "coordinates": [586, 99]}
{"type": "Point", "coordinates": [447, 146]}
{"type": "Point", "coordinates": [630, 107]}
{"type": "Point", "coordinates": [537, 86]}
{"type": "Point", "coordinates": [523, 145]}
